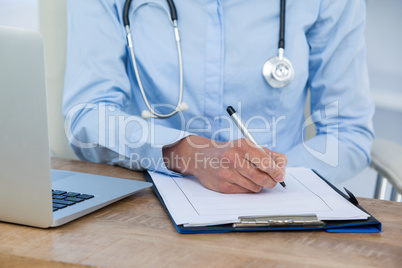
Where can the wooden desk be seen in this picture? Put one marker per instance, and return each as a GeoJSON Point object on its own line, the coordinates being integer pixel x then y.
{"type": "Point", "coordinates": [138, 232]}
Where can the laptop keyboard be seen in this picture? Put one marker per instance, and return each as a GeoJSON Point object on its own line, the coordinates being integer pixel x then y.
{"type": "Point", "coordinates": [63, 199]}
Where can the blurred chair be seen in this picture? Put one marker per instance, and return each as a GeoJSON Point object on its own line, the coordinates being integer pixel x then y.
{"type": "Point", "coordinates": [386, 159]}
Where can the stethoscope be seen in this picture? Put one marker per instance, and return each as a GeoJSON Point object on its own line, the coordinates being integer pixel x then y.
{"type": "Point", "coordinates": [277, 71]}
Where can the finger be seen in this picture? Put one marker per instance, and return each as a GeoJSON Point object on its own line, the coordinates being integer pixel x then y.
{"type": "Point", "coordinates": [281, 160]}
{"type": "Point", "coordinates": [253, 178]}
{"type": "Point", "coordinates": [231, 188]}
{"type": "Point", "coordinates": [246, 183]}
{"type": "Point", "coordinates": [263, 161]}
{"type": "Point", "coordinates": [232, 176]}
{"type": "Point", "coordinates": [221, 182]}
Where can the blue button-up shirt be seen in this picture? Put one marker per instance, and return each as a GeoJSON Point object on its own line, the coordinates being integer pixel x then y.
{"type": "Point", "coordinates": [225, 44]}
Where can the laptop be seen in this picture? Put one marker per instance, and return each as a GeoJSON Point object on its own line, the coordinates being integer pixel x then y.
{"type": "Point", "coordinates": [30, 192]}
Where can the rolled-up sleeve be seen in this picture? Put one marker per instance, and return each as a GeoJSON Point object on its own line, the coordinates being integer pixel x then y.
{"type": "Point", "coordinates": [97, 92]}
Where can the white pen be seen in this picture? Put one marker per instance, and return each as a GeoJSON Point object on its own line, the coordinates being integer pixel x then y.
{"type": "Point", "coordinates": [239, 123]}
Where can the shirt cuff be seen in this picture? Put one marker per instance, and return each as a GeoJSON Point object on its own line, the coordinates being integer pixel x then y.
{"type": "Point", "coordinates": [335, 160]}
{"type": "Point", "coordinates": [154, 156]}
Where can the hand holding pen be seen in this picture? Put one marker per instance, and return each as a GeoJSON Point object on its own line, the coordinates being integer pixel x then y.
{"type": "Point", "coordinates": [237, 166]}
{"type": "Point", "coordinates": [239, 123]}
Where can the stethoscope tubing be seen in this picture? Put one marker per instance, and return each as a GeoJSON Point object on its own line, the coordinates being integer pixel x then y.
{"type": "Point", "coordinates": [275, 79]}
{"type": "Point", "coordinates": [126, 21]}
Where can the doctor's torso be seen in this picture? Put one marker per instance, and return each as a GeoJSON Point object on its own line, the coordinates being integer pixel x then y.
{"type": "Point", "coordinates": [224, 47]}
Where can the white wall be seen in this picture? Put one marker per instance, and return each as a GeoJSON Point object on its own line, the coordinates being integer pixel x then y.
{"type": "Point", "coordinates": [52, 25]}
{"type": "Point", "coordinates": [384, 57]}
{"type": "Point", "coordinates": [20, 13]}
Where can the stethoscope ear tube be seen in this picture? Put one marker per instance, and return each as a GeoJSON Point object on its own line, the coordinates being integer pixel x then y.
{"type": "Point", "coordinates": [282, 25]}
{"type": "Point", "coordinates": [127, 4]}
{"type": "Point", "coordinates": [181, 106]}
{"type": "Point", "coordinates": [126, 21]}
{"type": "Point", "coordinates": [173, 13]}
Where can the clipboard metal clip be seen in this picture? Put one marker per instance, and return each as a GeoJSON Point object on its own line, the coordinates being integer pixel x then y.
{"type": "Point", "coordinates": [279, 221]}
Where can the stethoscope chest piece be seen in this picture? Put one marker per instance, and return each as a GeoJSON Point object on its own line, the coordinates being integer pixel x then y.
{"type": "Point", "coordinates": [278, 71]}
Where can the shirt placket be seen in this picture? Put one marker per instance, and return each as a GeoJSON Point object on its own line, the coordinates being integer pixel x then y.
{"type": "Point", "coordinates": [214, 63]}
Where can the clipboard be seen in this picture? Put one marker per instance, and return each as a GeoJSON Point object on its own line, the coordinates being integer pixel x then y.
{"type": "Point", "coordinates": [285, 222]}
